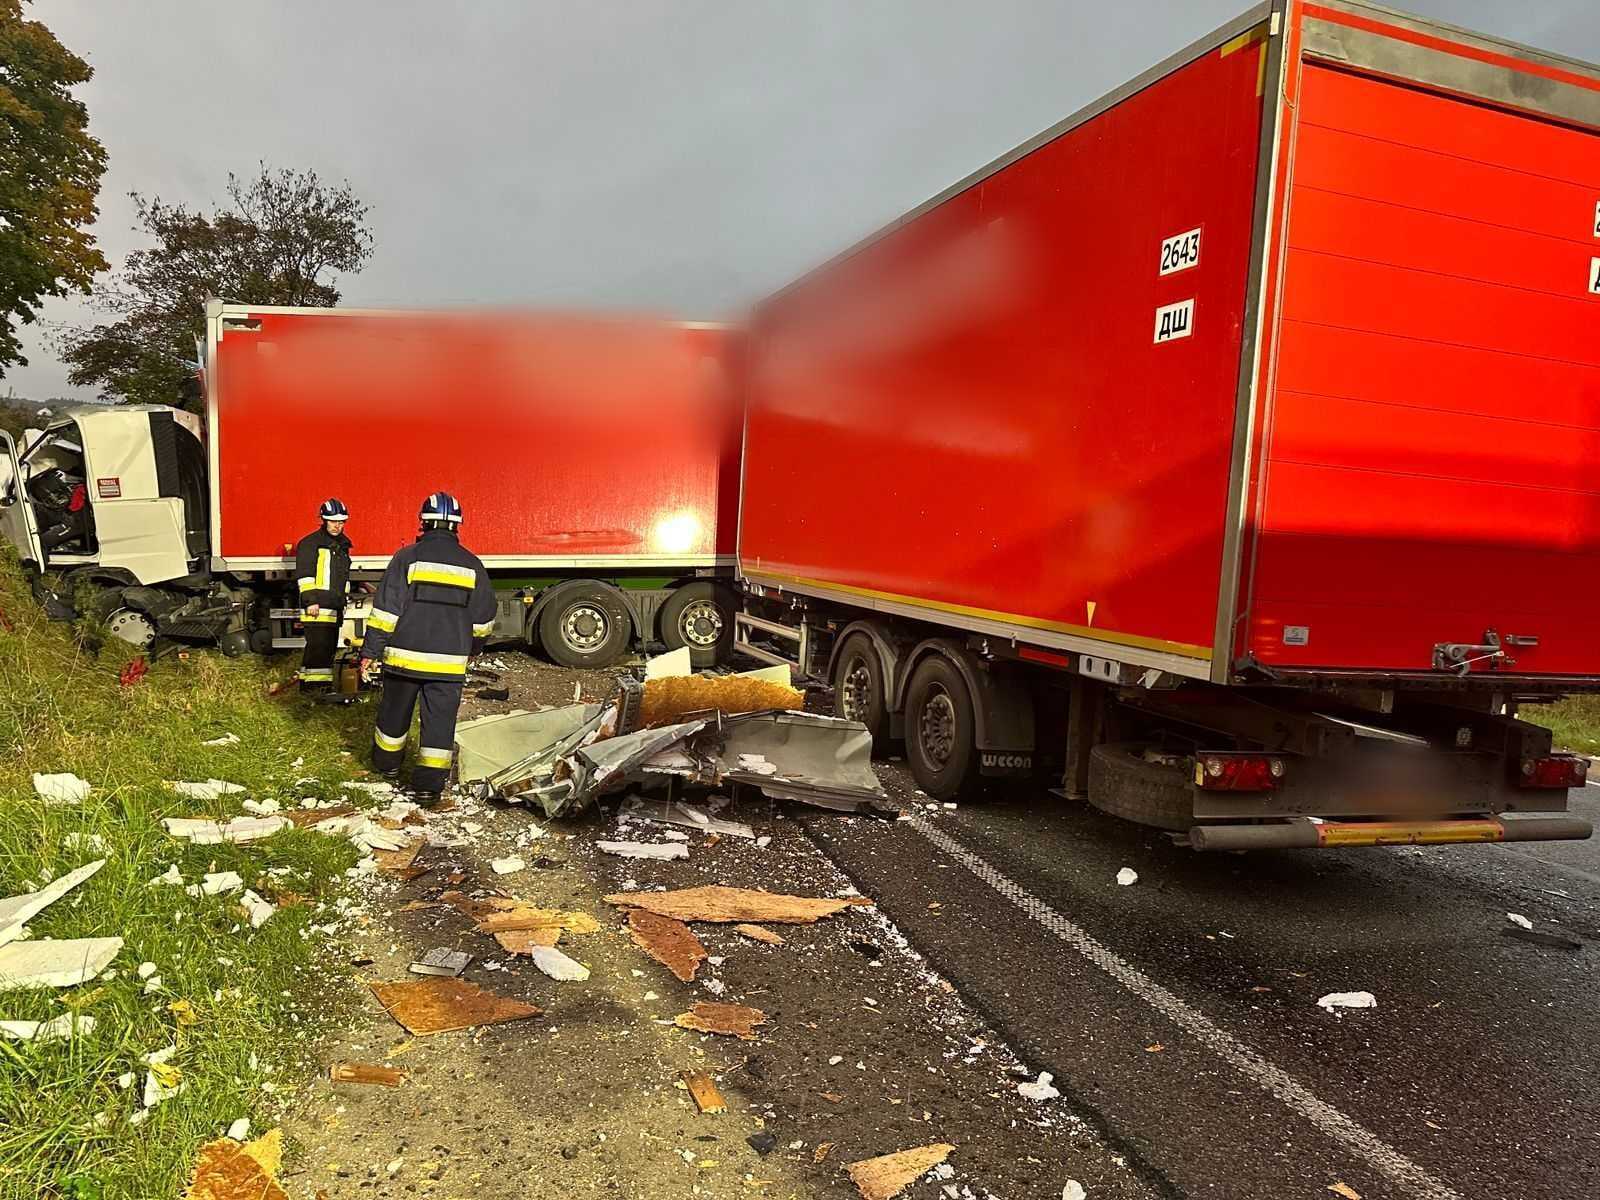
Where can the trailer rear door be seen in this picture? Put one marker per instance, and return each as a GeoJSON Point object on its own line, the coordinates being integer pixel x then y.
{"type": "Point", "coordinates": [1430, 466]}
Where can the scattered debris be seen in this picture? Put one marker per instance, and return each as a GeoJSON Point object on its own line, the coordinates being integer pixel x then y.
{"type": "Point", "coordinates": [211, 789]}
{"type": "Point", "coordinates": [524, 941]}
{"type": "Point", "coordinates": [146, 969]}
{"type": "Point", "coordinates": [133, 671]}
{"type": "Point", "coordinates": [67, 1025]}
{"type": "Point", "coordinates": [1335, 1000]}
{"type": "Point", "coordinates": [882, 1178]}
{"type": "Point", "coordinates": [732, 1020]}
{"type": "Point", "coordinates": [757, 934]}
{"type": "Point", "coordinates": [401, 862]}
{"type": "Point", "coordinates": [557, 965]}
{"type": "Point", "coordinates": [1344, 1189]}
{"type": "Point", "coordinates": [506, 866]}
{"type": "Point", "coordinates": [216, 883]}
{"type": "Point", "coordinates": [1519, 919]}
{"type": "Point", "coordinates": [431, 1006]}
{"type": "Point", "coordinates": [1040, 1089]}
{"type": "Point", "coordinates": [170, 875]}
{"type": "Point", "coordinates": [667, 812]}
{"type": "Point", "coordinates": [1559, 941]}
{"type": "Point", "coordinates": [763, 1143]}
{"type": "Point", "coordinates": [667, 940]}
{"type": "Point", "coordinates": [440, 961]}
{"type": "Point", "coordinates": [315, 815]}
{"type": "Point", "coordinates": [493, 693]}
{"type": "Point", "coordinates": [163, 1080]}
{"type": "Point", "coordinates": [366, 1073]}
{"type": "Point", "coordinates": [204, 832]}
{"type": "Point", "coordinates": [240, 1129]}
{"type": "Point", "coordinates": [660, 850]}
{"type": "Point", "coordinates": [55, 964]}
{"type": "Point", "coordinates": [1073, 1191]}
{"type": "Point", "coordinates": [85, 841]}
{"type": "Point", "coordinates": [703, 1091]}
{"type": "Point", "coordinates": [728, 904]}
{"type": "Point", "coordinates": [821, 1152]}
{"type": "Point", "coordinates": [259, 910]}
{"type": "Point", "coordinates": [17, 911]}
{"type": "Point", "coordinates": [61, 788]}
{"type": "Point", "coordinates": [227, 739]}
{"type": "Point", "coordinates": [1127, 877]}
{"type": "Point", "coordinates": [183, 1012]}
{"type": "Point", "coordinates": [260, 808]}
{"type": "Point", "coordinates": [227, 1170]}
{"type": "Point", "coordinates": [499, 914]}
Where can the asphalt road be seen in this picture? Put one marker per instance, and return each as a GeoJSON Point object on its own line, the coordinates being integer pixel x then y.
{"type": "Point", "coordinates": [1179, 1014]}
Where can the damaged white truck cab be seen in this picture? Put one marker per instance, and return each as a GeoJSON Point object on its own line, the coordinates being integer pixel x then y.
{"type": "Point", "coordinates": [111, 501]}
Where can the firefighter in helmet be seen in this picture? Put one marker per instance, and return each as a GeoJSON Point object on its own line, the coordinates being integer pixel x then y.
{"type": "Point", "coordinates": [322, 564]}
{"type": "Point", "coordinates": [433, 611]}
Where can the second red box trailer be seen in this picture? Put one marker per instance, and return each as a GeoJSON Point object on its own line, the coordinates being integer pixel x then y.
{"type": "Point", "coordinates": [1258, 398]}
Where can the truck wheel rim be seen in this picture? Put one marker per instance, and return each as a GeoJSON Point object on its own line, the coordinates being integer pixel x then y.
{"type": "Point", "coordinates": [855, 692]}
{"type": "Point", "coordinates": [700, 623]}
{"type": "Point", "coordinates": [585, 626]}
{"type": "Point", "coordinates": [937, 728]}
{"type": "Point", "coordinates": [132, 627]}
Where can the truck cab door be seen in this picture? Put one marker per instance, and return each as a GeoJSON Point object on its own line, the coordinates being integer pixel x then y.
{"type": "Point", "coordinates": [16, 512]}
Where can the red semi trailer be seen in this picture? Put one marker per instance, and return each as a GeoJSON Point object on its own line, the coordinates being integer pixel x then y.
{"type": "Point", "coordinates": [596, 459]}
{"type": "Point", "coordinates": [1229, 444]}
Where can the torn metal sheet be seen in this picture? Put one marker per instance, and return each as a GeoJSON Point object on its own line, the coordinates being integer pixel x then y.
{"type": "Point", "coordinates": [492, 743]}
{"type": "Point", "coordinates": [56, 964]}
{"type": "Point", "coordinates": [824, 761]}
{"type": "Point", "coordinates": [16, 911]}
{"type": "Point", "coordinates": [667, 812]}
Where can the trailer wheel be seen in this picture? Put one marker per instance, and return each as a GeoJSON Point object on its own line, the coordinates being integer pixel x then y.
{"type": "Point", "coordinates": [1123, 784]}
{"type": "Point", "coordinates": [858, 687]}
{"type": "Point", "coordinates": [699, 615]}
{"type": "Point", "coordinates": [941, 730]}
{"type": "Point", "coordinates": [584, 625]}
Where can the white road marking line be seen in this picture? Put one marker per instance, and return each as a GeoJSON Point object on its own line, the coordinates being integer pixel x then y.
{"type": "Point", "coordinates": [1273, 1079]}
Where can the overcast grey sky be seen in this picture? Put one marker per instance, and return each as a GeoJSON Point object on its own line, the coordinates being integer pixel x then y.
{"type": "Point", "coordinates": [683, 157]}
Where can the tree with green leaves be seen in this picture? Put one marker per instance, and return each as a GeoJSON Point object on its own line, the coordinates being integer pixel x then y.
{"type": "Point", "coordinates": [50, 169]}
{"type": "Point", "coordinates": [280, 239]}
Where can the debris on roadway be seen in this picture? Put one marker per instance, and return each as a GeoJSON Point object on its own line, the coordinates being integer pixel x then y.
{"type": "Point", "coordinates": [669, 941]}
{"type": "Point", "coordinates": [557, 965]}
{"type": "Point", "coordinates": [1127, 877]}
{"type": "Point", "coordinates": [757, 934]}
{"type": "Point", "coordinates": [656, 850]}
{"type": "Point", "coordinates": [1335, 1000]}
{"type": "Point", "coordinates": [730, 1020]}
{"type": "Point", "coordinates": [228, 1170]}
{"type": "Point", "coordinates": [736, 905]}
{"type": "Point", "coordinates": [440, 961]}
{"type": "Point", "coordinates": [366, 1073]}
{"type": "Point", "coordinates": [889, 1175]}
{"type": "Point", "coordinates": [1040, 1089]}
{"type": "Point", "coordinates": [430, 1006]}
{"type": "Point", "coordinates": [703, 1091]}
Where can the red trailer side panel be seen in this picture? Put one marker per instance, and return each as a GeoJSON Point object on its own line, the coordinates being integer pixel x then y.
{"type": "Point", "coordinates": [569, 441]}
{"type": "Point", "coordinates": [1429, 468]}
{"type": "Point", "coordinates": [973, 416]}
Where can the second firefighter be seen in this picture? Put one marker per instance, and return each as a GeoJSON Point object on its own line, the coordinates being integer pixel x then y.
{"type": "Point", "coordinates": [322, 563]}
{"type": "Point", "coordinates": [433, 611]}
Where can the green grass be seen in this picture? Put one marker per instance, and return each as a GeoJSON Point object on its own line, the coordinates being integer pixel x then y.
{"type": "Point", "coordinates": [262, 997]}
{"type": "Point", "coordinates": [1575, 722]}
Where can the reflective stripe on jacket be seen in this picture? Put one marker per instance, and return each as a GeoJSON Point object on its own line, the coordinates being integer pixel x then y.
{"type": "Point", "coordinates": [433, 609]}
{"type": "Point", "coordinates": [322, 569]}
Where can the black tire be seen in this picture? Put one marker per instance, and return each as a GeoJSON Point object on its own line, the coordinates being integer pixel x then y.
{"type": "Point", "coordinates": [858, 687]}
{"type": "Point", "coordinates": [1123, 784]}
{"type": "Point", "coordinates": [941, 730]}
{"type": "Point", "coordinates": [699, 615]}
{"type": "Point", "coordinates": [585, 624]}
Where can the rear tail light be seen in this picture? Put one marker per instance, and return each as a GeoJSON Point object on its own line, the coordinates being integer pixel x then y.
{"type": "Point", "coordinates": [1238, 772]}
{"type": "Point", "coordinates": [1555, 771]}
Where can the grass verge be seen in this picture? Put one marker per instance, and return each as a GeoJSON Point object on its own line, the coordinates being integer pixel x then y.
{"type": "Point", "coordinates": [259, 998]}
{"type": "Point", "coordinates": [1575, 722]}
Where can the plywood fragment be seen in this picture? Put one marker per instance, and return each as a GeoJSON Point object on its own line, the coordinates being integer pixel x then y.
{"type": "Point", "coordinates": [727, 904]}
{"type": "Point", "coordinates": [367, 1073]}
{"type": "Point", "coordinates": [438, 1005]}
{"type": "Point", "coordinates": [822, 1152]}
{"type": "Point", "coordinates": [524, 941]}
{"type": "Point", "coordinates": [757, 934]}
{"type": "Point", "coordinates": [1344, 1189]}
{"type": "Point", "coordinates": [399, 862]}
{"type": "Point", "coordinates": [732, 1020]}
{"type": "Point", "coordinates": [225, 1170]}
{"type": "Point", "coordinates": [500, 914]}
{"type": "Point", "coordinates": [703, 1090]}
{"type": "Point", "coordinates": [889, 1175]}
{"type": "Point", "coordinates": [670, 942]}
